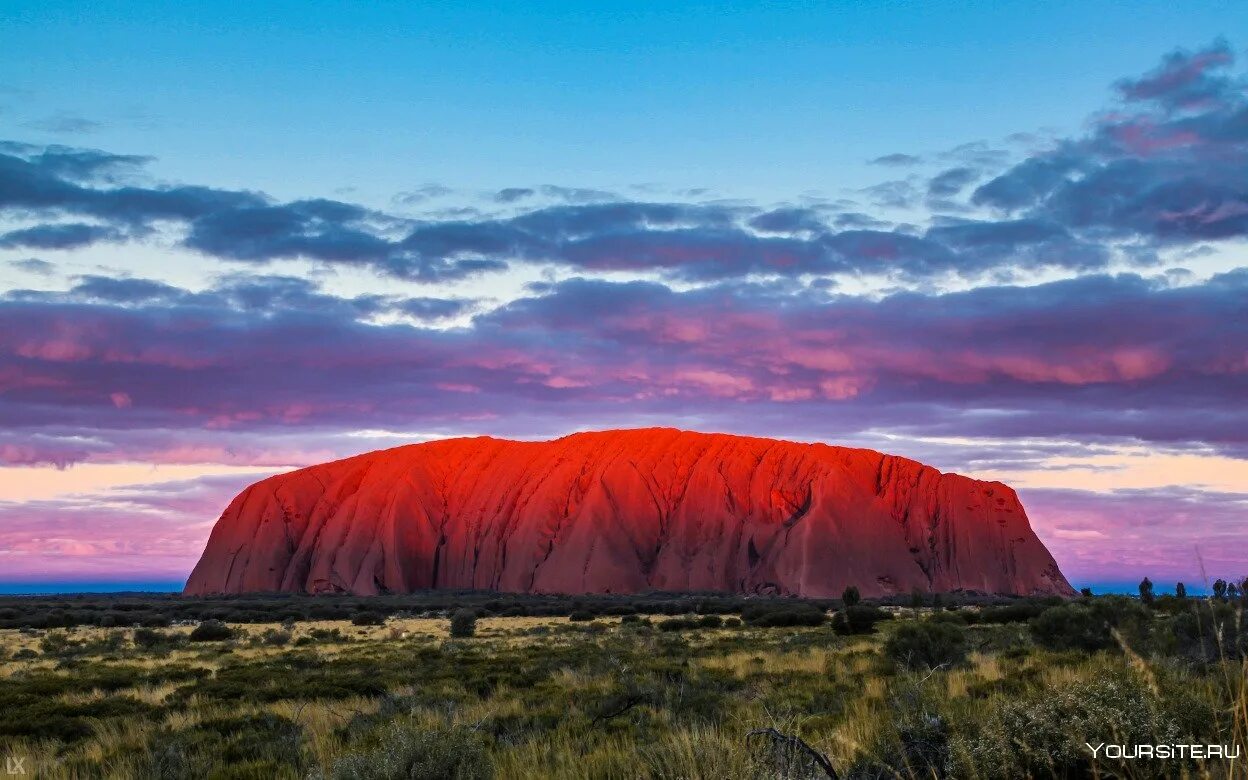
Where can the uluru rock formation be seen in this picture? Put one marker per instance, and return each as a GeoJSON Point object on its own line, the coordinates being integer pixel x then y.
{"type": "Point", "coordinates": [625, 511]}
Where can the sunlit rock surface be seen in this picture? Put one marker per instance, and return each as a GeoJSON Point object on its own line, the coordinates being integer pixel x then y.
{"type": "Point", "coordinates": [622, 512]}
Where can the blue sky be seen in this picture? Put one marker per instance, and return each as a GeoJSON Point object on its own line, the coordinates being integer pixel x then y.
{"type": "Point", "coordinates": [239, 238]}
{"type": "Point", "coordinates": [753, 100]}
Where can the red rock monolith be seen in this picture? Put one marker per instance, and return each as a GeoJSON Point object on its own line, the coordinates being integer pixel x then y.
{"type": "Point", "coordinates": [623, 512]}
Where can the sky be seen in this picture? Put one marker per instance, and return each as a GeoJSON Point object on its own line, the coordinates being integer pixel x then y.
{"type": "Point", "coordinates": [1007, 242]}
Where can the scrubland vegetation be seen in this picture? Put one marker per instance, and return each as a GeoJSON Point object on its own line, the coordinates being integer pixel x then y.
{"type": "Point", "coordinates": [482, 685]}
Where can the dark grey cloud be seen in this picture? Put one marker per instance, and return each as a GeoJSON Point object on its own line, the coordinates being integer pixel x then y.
{"type": "Point", "coordinates": [53, 181]}
{"type": "Point", "coordinates": [60, 236]}
{"type": "Point", "coordinates": [1185, 80]}
{"type": "Point", "coordinates": [514, 194]}
{"type": "Point", "coordinates": [432, 309]}
{"type": "Point", "coordinates": [897, 159]}
{"type": "Point", "coordinates": [950, 182]}
{"type": "Point", "coordinates": [125, 291]}
{"type": "Point", "coordinates": [790, 220]}
{"type": "Point", "coordinates": [78, 165]}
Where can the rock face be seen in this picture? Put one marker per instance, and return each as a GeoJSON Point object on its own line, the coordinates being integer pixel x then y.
{"type": "Point", "coordinates": [621, 512]}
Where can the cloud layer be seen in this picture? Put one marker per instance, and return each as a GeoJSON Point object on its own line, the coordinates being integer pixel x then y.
{"type": "Point", "coordinates": [1164, 166]}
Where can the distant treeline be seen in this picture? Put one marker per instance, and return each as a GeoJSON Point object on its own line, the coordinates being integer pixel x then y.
{"type": "Point", "coordinates": [161, 610]}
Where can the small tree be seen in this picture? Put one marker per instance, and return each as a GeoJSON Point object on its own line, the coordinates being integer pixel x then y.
{"type": "Point", "coordinates": [1085, 592]}
{"type": "Point", "coordinates": [463, 623]}
{"type": "Point", "coordinates": [851, 596]}
{"type": "Point", "coordinates": [1146, 591]}
{"type": "Point", "coordinates": [1219, 590]}
{"type": "Point", "coordinates": [1232, 591]}
{"type": "Point", "coordinates": [1180, 591]}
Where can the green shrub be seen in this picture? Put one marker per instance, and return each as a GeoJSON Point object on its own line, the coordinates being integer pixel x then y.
{"type": "Point", "coordinates": [927, 644]}
{"type": "Point", "coordinates": [211, 631]}
{"type": "Point", "coordinates": [463, 623]}
{"type": "Point", "coordinates": [956, 617]}
{"type": "Point", "coordinates": [773, 615]}
{"type": "Point", "coordinates": [1041, 733]}
{"type": "Point", "coordinates": [1207, 631]}
{"type": "Point", "coordinates": [1018, 612]}
{"type": "Point", "coordinates": [248, 746]}
{"type": "Point", "coordinates": [858, 620]}
{"type": "Point", "coordinates": [408, 751]}
{"type": "Point", "coordinates": [275, 637]}
{"type": "Point", "coordinates": [154, 640]}
{"type": "Point", "coordinates": [1071, 627]}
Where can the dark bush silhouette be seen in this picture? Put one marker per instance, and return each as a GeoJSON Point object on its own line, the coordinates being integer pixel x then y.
{"type": "Point", "coordinates": [1018, 612]}
{"type": "Point", "coordinates": [1146, 591]}
{"type": "Point", "coordinates": [212, 631]}
{"type": "Point", "coordinates": [1208, 631]}
{"type": "Point", "coordinates": [463, 623]}
{"type": "Point", "coordinates": [851, 596]}
{"type": "Point", "coordinates": [1071, 627]}
{"type": "Point", "coordinates": [928, 644]}
{"type": "Point", "coordinates": [151, 639]}
{"type": "Point", "coordinates": [368, 618]}
{"type": "Point", "coordinates": [773, 615]}
{"type": "Point", "coordinates": [858, 620]}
